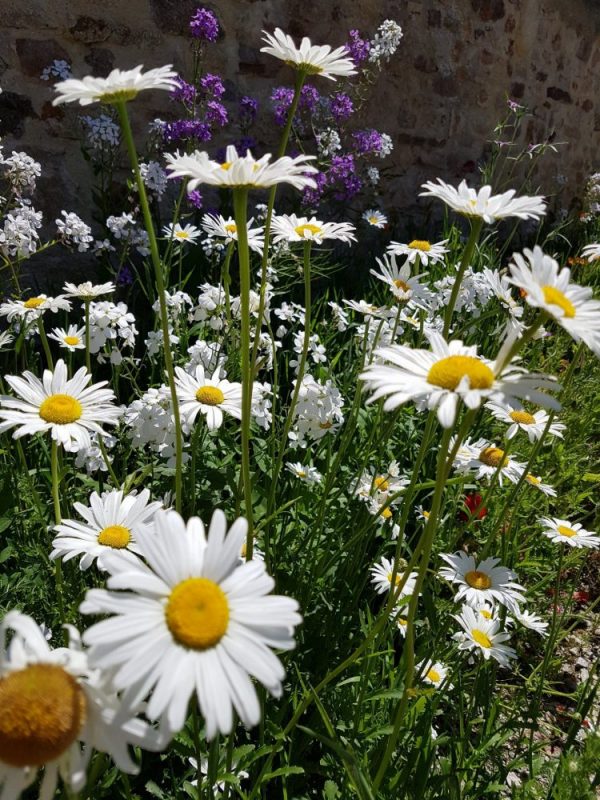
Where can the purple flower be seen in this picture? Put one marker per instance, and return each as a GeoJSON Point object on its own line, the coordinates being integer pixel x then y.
{"type": "Point", "coordinates": [212, 85]}
{"type": "Point", "coordinates": [204, 25]}
{"type": "Point", "coordinates": [309, 98]}
{"type": "Point", "coordinates": [187, 129]}
{"type": "Point", "coordinates": [183, 91]}
{"type": "Point", "coordinates": [194, 198]}
{"type": "Point", "coordinates": [248, 111]}
{"type": "Point", "coordinates": [342, 177]}
{"type": "Point", "coordinates": [341, 106]}
{"type": "Point", "coordinates": [125, 276]}
{"type": "Point", "coordinates": [216, 113]}
{"type": "Point", "coordinates": [310, 196]}
{"type": "Point", "coordinates": [281, 97]}
{"type": "Point", "coordinates": [357, 47]}
{"type": "Point", "coordinates": [369, 141]}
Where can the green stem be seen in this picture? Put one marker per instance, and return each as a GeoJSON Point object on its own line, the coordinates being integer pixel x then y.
{"type": "Point", "coordinates": [227, 282]}
{"type": "Point", "coordinates": [160, 286]}
{"type": "Point", "coordinates": [476, 226]}
{"type": "Point", "coordinates": [88, 356]}
{"type": "Point", "coordinates": [45, 343]}
{"type": "Point", "coordinates": [58, 578]}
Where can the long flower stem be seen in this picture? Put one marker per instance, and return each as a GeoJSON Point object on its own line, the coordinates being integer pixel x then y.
{"type": "Point", "coordinates": [88, 356]}
{"type": "Point", "coordinates": [240, 208]}
{"type": "Point", "coordinates": [45, 343]}
{"type": "Point", "coordinates": [58, 577]}
{"type": "Point", "coordinates": [160, 286]}
{"type": "Point", "coordinates": [476, 226]}
{"type": "Point", "coordinates": [227, 282]}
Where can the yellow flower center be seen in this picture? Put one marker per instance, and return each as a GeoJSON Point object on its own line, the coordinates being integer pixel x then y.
{"type": "Point", "coordinates": [231, 228]}
{"type": "Point", "coordinates": [434, 676]}
{"type": "Point", "coordinates": [485, 613]}
{"type": "Point", "coordinates": [481, 638]}
{"type": "Point", "coordinates": [426, 514]}
{"type": "Point", "coordinates": [34, 302]}
{"type": "Point", "coordinates": [226, 165]}
{"type": "Point", "coordinates": [477, 579]}
{"type": "Point", "coordinates": [117, 536]}
{"type": "Point", "coordinates": [419, 244]}
{"type": "Point", "coordinates": [182, 235]}
{"type": "Point", "coordinates": [301, 473]}
{"type": "Point", "coordinates": [565, 531]}
{"type": "Point", "coordinates": [60, 409]}
{"type": "Point", "coordinates": [402, 622]}
{"type": "Point", "coordinates": [307, 229]}
{"type": "Point", "coordinates": [381, 484]}
{"type": "Point", "coordinates": [373, 219]}
{"type": "Point", "coordinates": [400, 284]}
{"type": "Point", "coordinates": [325, 425]}
{"type": "Point", "coordinates": [72, 339]}
{"type": "Point", "coordinates": [532, 479]}
{"type": "Point", "coordinates": [386, 513]}
{"type": "Point", "coordinates": [43, 711]}
{"type": "Point", "coordinates": [448, 373]}
{"type": "Point", "coordinates": [197, 613]}
{"type": "Point", "coordinates": [210, 395]}
{"type": "Point", "coordinates": [522, 417]}
{"type": "Point", "coordinates": [555, 297]}
{"type": "Point", "coordinates": [493, 457]}
{"type": "Point", "coordinates": [119, 96]}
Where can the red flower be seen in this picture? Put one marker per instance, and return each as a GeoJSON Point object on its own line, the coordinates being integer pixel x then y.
{"type": "Point", "coordinates": [472, 508]}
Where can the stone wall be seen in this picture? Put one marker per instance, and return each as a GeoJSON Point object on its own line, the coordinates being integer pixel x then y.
{"type": "Point", "coordinates": [439, 99]}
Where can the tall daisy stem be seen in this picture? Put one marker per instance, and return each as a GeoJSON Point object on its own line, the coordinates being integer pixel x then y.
{"type": "Point", "coordinates": [88, 356]}
{"type": "Point", "coordinates": [227, 282]}
{"type": "Point", "coordinates": [45, 343]}
{"type": "Point", "coordinates": [160, 286]}
{"type": "Point", "coordinates": [240, 208]}
{"type": "Point", "coordinates": [476, 226]}
{"type": "Point", "coordinates": [58, 577]}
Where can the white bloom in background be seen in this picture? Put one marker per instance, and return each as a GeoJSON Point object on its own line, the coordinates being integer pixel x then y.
{"type": "Point", "coordinates": [305, 473]}
{"type": "Point", "coordinates": [19, 235]}
{"type": "Point", "coordinates": [591, 252]}
{"type": "Point", "coordinates": [186, 234]}
{"type": "Point", "coordinates": [308, 58]}
{"type": "Point", "coordinates": [55, 711]}
{"type": "Point", "coordinates": [91, 458]}
{"type": "Point", "coordinates": [501, 288]}
{"type": "Point", "coordinates": [373, 175]}
{"type": "Point", "coordinates": [154, 341]}
{"type": "Point", "coordinates": [381, 578]}
{"type": "Point", "coordinates": [482, 204]}
{"type": "Point", "coordinates": [367, 309]}
{"type": "Point", "coordinates": [101, 131]}
{"type": "Point", "coordinates": [72, 230]}
{"type": "Point", "coordinates": [59, 68]}
{"type": "Point", "coordinates": [33, 307]}
{"type": "Point", "coordinates": [419, 251]}
{"type": "Point", "coordinates": [88, 290]}
{"type": "Point", "coordinates": [377, 489]}
{"type": "Point", "coordinates": [340, 317]}
{"type": "Point", "coordinates": [239, 171]}
{"type": "Point", "coordinates": [375, 218]}
{"type": "Point", "coordinates": [218, 227]}
{"type": "Point", "coordinates": [5, 339]}
{"type": "Point", "coordinates": [112, 522]}
{"type": "Point", "coordinates": [385, 42]}
{"type": "Point", "coordinates": [69, 409]}
{"type": "Point", "coordinates": [110, 325]}
{"type": "Point", "coordinates": [483, 582]}
{"type": "Point", "coordinates": [435, 673]}
{"type": "Point", "coordinates": [517, 418]}
{"type": "Point", "coordinates": [485, 636]}
{"type": "Point", "coordinates": [548, 288]}
{"type": "Point", "coordinates": [21, 170]}
{"type": "Point", "coordinates": [177, 303]}
{"type": "Point", "coordinates": [154, 177]}
{"type": "Point", "coordinates": [536, 481]}
{"type": "Point", "coordinates": [318, 411]}
{"type": "Point", "coordinates": [262, 404]}
{"type": "Point", "coordinates": [328, 142]}
{"type": "Point", "coordinates": [485, 459]}
{"type": "Point", "coordinates": [120, 86]}
{"type": "Point", "coordinates": [569, 533]}
{"type": "Point", "coordinates": [209, 354]}
{"type": "Point", "coordinates": [194, 621]}
{"type": "Point", "coordinates": [125, 229]}
{"type": "Point", "coordinates": [150, 423]}
{"type": "Point", "coordinates": [211, 396]}
{"type": "Point", "coordinates": [72, 339]}
{"type": "Point", "coordinates": [528, 620]}
{"type": "Point", "coordinates": [398, 279]}
{"type": "Point", "coordinates": [446, 374]}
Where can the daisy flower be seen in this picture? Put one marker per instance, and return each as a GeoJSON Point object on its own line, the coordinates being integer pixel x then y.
{"type": "Point", "coordinates": [486, 582]}
{"type": "Point", "coordinates": [482, 204]}
{"type": "Point", "coordinates": [120, 86]}
{"type": "Point", "coordinates": [591, 252]}
{"type": "Point", "coordinates": [548, 288]}
{"type": "Point", "coordinates": [193, 621]}
{"type": "Point", "coordinates": [484, 458]}
{"type": "Point", "coordinates": [112, 522]}
{"type": "Point", "coordinates": [184, 235]}
{"type": "Point", "coordinates": [307, 474]}
{"type": "Point", "coordinates": [434, 673]}
{"type": "Point", "coordinates": [212, 396]}
{"type": "Point", "coordinates": [572, 534]}
{"type": "Point", "coordinates": [376, 489]}
{"type": "Point", "coordinates": [33, 307]}
{"type": "Point", "coordinates": [381, 578]}
{"type": "Point", "coordinates": [536, 481]}
{"type": "Point", "coordinates": [401, 622]}
{"type": "Point", "coordinates": [403, 287]}
{"type": "Point", "coordinates": [419, 251]}
{"type": "Point", "coordinates": [528, 620]}
{"type": "Point", "coordinates": [309, 58]}
{"type": "Point", "coordinates": [485, 636]}
{"type": "Point", "coordinates": [446, 374]}
{"type": "Point", "coordinates": [375, 218]}
{"type": "Point", "coordinates": [55, 710]}
{"type": "Point", "coordinates": [519, 419]}
{"type": "Point", "coordinates": [87, 290]}
{"type": "Point", "coordinates": [241, 171]}
{"type": "Point", "coordinates": [290, 228]}
{"type": "Point", "coordinates": [66, 408]}
{"type": "Point", "coordinates": [73, 338]}
{"type": "Point", "coordinates": [221, 228]}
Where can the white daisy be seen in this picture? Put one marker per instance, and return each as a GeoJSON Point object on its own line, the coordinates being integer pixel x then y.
{"type": "Point", "coordinates": [486, 582]}
{"type": "Point", "coordinates": [485, 636]}
{"type": "Point", "coordinates": [434, 673]}
{"type": "Point", "coordinates": [377, 489]}
{"type": "Point", "coordinates": [446, 374]}
{"type": "Point", "coordinates": [419, 251]}
{"type": "Point", "coordinates": [55, 710]}
{"type": "Point", "coordinates": [368, 309]}
{"type": "Point", "coordinates": [401, 622]}
{"type": "Point", "coordinates": [519, 419]}
{"type": "Point", "coordinates": [545, 488]}
{"type": "Point", "coordinates": [307, 473]}
{"type": "Point", "coordinates": [73, 338]}
{"type": "Point", "coordinates": [309, 58]}
{"type": "Point", "coordinates": [528, 620]}
{"type": "Point", "coordinates": [290, 228]}
{"type": "Point", "coordinates": [591, 252]}
{"type": "Point", "coordinates": [482, 204]}
{"type": "Point", "coordinates": [241, 171]}
{"type": "Point", "coordinates": [66, 408]}
{"type": "Point", "coordinates": [182, 235]}
{"type": "Point", "coordinates": [375, 218]}
{"type": "Point", "coordinates": [87, 290]}
{"type": "Point", "coordinates": [212, 396]}
{"type": "Point", "coordinates": [404, 287]}
{"type": "Point", "coordinates": [33, 307]}
{"type": "Point", "coordinates": [484, 458]}
{"type": "Point", "coordinates": [112, 522]}
{"type": "Point", "coordinates": [120, 86]}
{"type": "Point", "coordinates": [381, 578]}
{"type": "Point", "coordinates": [569, 533]}
{"type": "Point", "coordinates": [548, 288]}
{"type": "Point", "coordinates": [194, 620]}
{"type": "Point", "coordinates": [217, 226]}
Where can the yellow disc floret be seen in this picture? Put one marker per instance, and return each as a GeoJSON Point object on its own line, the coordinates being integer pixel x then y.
{"type": "Point", "coordinates": [231, 228]}
{"type": "Point", "coordinates": [61, 409]}
{"type": "Point", "coordinates": [34, 302]}
{"type": "Point", "coordinates": [43, 711]}
{"type": "Point", "coordinates": [566, 531]}
{"type": "Point", "coordinates": [477, 579]}
{"type": "Point", "coordinates": [448, 373]}
{"type": "Point", "coordinates": [433, 675]}
{"type": "Point", "coordinates": [400, 284]}
{"type": "Point", "coordinates": [555, 297]}
{"type": "Point", "coordinates": [307, 230]}
{"type": "Point", "coordinates": [493, 457]}
{"type": "Point", "coordinates": [210, 395]}
{"type": "Point", "coordinates": [381, 484]}
{"type": "Point", "coordinates": [481, 638]}
{"type": "Point", "coordinates": [72, 339]}
{"type": "Point", "coordinates": [420, 244]}
{"type": "Point", "coordinates": [522, 417]}
{"type": "Point", "coordinates": [197, 613]}
{"type": "Point", "coordinates": [117, 536]}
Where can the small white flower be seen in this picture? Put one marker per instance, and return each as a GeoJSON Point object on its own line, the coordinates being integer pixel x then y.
{"type": "Point", "coordinates": [483, 204]}
{"type": "Point", "coordinates": [308, 58]}
{"type": "Point", "coordinates": [519, 419]}
{"type": "Point", "coordinates": [307, 474]}
{"type": "Point", "coordinates": [87, 290]}
{"type": "Point", "coordinates": [72, 339]}
{"type": "Point", "coordinates": [572, 534]}
{"type": "Point", "coordinates": [485, 636]}
{"type": "Point", "coordinates": [218, 227]}
{"type": "Point", "coordinates": [529, 620]}
{"type": "Point", "coordinates": [591, 252]}
{"type": "Point", "coordinates": [120, 86]}
{"type": "Point", "coordinates": [434, 673]}
{"type": "Point", "coordinates": [375, 218]}
{"type": "Point", "coordinates": [186, 234]}
{"type": "Point", "coordinates": [484, 459]}
{"type": "Point", "coordinates": [381, 578]}
{"type": "Point", "coordinates": [290, 228]}
{"type": "Point", "coordinates": [419, 251]}
{"type": "Point", "coordinates": [484, 582]}
{"type": "Point", "coordinates": [198, 394]}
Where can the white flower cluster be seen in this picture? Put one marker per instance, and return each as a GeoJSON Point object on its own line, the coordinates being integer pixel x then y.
{"type": "Point", "coordinates": [591, 200]}
{"type": "Point", "coordinates": [74, 232]}
{"type": "Point", "coordinates": [150, 422]}
{"type": "Point", "coordinates": [113, 325]}
{"type": "Point", "coordinates": [101, 131]}
{"type": "Point", "coordinates": [177, 304]}
{"type": "Point", "coordinates": [373, 175]}
{"type": "Point", "coordinates": [19, 235]}
{"type": "Point", "coordinates": [21, 171]}
{"type": "Point", "coordinates": [328, 142]}
{"type": "Point", "coordinates": [378, 489]}
{"type": "Point", "coordinates": [318, 411]}
{"type": "Point", "coordinates": [207, 354]}
{"type": "Point", "coordinates": [59, 68]}
{"type": "Point", "coordinates": [340, 318]}
{"type": "Point", "coordinates": [316, 351]}
{"type": "Point", "coordinates": [154, 177]}
{"type": "Point", "coordinates": [386, 146]}
{"type": "Point", "coordinates": [261, 404]}
{"type": "Point", "coordinates": [91, 458]}
{"type": "Point", "coordinates": [288, 312]}
{"type": "Point", "coordinates": [154, 341]}
{"type": "Point", "coordinates": [266, 350]}
{"type": "Point", "coordinates": [385, 42]}
{"type": "Point", "coordinates": [125, 229]}
{"type": "Point", "coordinates": [210, 306]}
